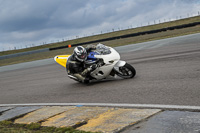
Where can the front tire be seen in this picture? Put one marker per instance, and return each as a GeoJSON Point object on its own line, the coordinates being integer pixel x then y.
{"type": "Point", "coordinates": [126, 71]}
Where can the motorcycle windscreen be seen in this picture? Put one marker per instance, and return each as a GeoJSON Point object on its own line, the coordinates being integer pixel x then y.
{"type": "Point", "coordinates": [61, 59]}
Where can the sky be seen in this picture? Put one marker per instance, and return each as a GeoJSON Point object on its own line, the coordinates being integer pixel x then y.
{"type": "Point", "coordinates": [26, 23]}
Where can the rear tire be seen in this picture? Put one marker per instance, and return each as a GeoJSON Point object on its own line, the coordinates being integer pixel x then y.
{"type": "Point", "coordinates": [126, 71]}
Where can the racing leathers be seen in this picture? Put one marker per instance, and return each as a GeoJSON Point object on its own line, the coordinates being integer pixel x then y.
{"type": "Point", "coordinates": [77, 69]}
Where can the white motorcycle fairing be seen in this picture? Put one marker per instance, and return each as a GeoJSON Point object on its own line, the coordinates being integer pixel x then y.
{"type": "Point", "coordinates": [110, 61]}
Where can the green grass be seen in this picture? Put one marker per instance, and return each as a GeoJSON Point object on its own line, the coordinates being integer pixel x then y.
{"type": "Point", "coordinates": [9, 127]}
{"type": "Point", "coordinates": [112, 43]}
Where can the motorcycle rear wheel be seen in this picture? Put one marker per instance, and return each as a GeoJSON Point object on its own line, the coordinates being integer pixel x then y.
{"type": "Point", "coordinates": [126, 71]}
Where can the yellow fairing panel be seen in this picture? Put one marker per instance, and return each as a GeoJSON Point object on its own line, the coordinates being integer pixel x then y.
{"type": "Point", "coordinates": [61, 59]}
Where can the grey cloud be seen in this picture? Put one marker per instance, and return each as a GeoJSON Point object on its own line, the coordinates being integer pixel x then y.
{"type": "Point", "coordinates": [36, 14]}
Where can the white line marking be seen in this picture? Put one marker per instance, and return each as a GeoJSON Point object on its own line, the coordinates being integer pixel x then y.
{"type": "Point", "coordinates": [164, 56]}
{"type": "Point", "coordinates": [145, 106]}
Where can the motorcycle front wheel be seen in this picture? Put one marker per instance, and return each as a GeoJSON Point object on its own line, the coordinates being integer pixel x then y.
{"type": "Point", "coordinates": [126, 71]}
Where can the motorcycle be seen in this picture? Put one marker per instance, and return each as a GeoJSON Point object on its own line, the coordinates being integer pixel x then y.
{"type": "Point", "coordinates": [108, 63]}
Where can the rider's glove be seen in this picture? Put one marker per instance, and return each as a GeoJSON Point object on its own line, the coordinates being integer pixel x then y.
{"type": "Point", "coordinates": [93, 67]}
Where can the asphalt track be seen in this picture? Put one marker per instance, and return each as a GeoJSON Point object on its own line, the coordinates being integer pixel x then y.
{"type": "Point", "coordinates": [168, 73]}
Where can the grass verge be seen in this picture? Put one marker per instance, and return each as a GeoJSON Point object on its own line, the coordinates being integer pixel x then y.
{"type": "Point", "coordinates": [113, 43]}
{"type": "Point", "coordinates": [9, 127]}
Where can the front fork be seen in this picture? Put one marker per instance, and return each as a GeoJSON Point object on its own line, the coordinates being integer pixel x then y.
{"type": "Point", "coordinates": [119, 64]}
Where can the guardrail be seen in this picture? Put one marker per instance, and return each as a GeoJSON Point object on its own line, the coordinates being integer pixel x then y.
{"type": "Point", "coordinates": [23, 53]}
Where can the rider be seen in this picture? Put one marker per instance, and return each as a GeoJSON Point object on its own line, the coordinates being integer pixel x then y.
{"type": "Point", "coordinates": [76, 63]}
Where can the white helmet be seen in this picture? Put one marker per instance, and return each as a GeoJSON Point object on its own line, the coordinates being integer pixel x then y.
{"type": "Point", "coordinates": [80, 53]}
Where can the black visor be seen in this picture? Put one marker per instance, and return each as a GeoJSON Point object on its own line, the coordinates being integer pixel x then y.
{"type": "Point", "coordinates": [82, 56]}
